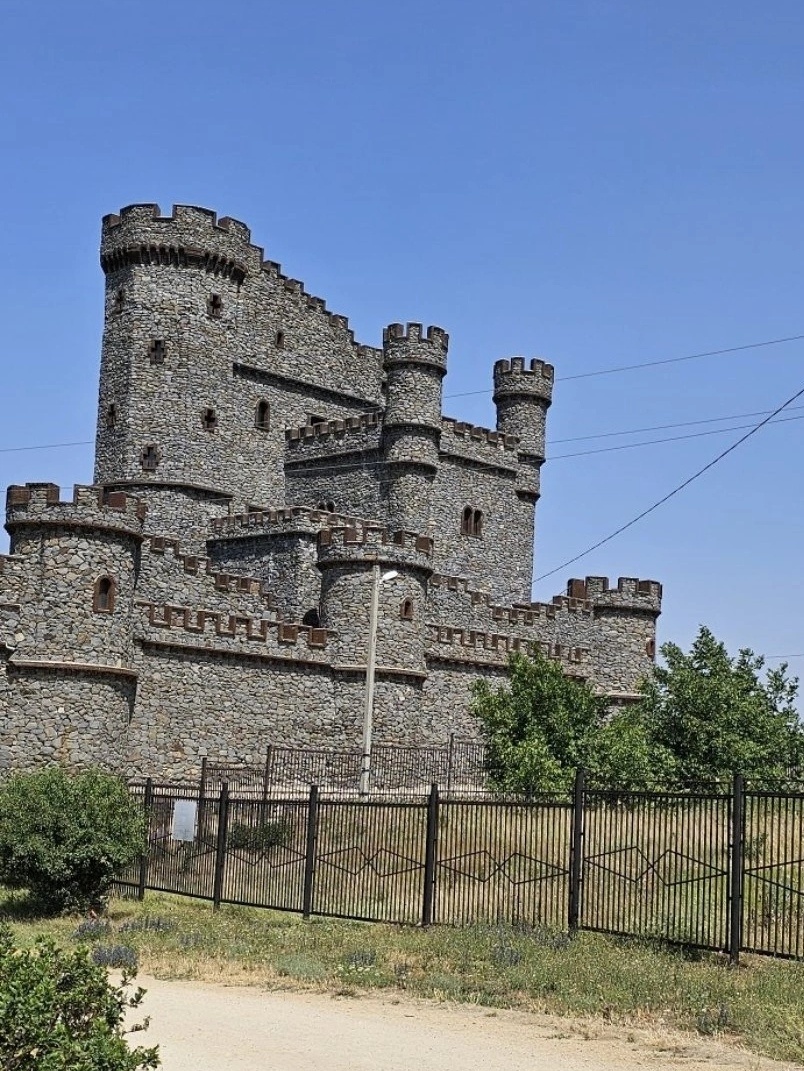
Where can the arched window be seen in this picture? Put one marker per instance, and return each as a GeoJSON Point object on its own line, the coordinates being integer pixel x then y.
{"type": "Point", "coordinates": [472, 522]}
{"type": "Point", "coordinates": [326, 507]}
{"type": "Point", "coordinates": [406, 610]}
{"type": "Point", "coordinates": [279, 341]}
{"type": "Point", "coordinates": [262, 415]}
{"type": "Point", "coordinates": [103, 599]}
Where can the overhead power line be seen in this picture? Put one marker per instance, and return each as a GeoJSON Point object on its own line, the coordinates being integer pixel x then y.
{"type": "Point", "coordinates": [676, 490]}
{"type": "Point", "coordinates": [656, 363]}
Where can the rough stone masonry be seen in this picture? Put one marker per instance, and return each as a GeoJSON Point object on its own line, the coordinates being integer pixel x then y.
{"type": "Point", "coordinates": [209, 594]}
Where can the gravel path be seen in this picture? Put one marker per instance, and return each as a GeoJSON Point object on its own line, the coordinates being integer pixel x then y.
{"type": "Point", "coordinates": [205, 1027]}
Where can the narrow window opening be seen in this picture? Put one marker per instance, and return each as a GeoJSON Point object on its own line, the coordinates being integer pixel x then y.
{"type": "Point", "coordinates": [262, 415]}
{"type": "Point", "coordinates": [111, 416]}
{"type": "Point", "coordinates": [119, 300]}
{"type": "Point", "coordinates": [209, 420]}
{"type": "Point", "coordinates": [472, 522]}
{"type": "Point", "coordinates": [157, 351]}
{"type": "Point", "coordinates": [312, 618]}
{"type": "Point", "coordinates": [214, 306]}
{"type": "Point", "coordinates": [314, 418]}
{"type": "Point", "coordinates": [406, 610]}
{"type": "Point", "coordinates": [279, 341]}
{"type": "Point", "coordinates": [150, 458]}
{"type": "Point", "coordinates": [103, 600]}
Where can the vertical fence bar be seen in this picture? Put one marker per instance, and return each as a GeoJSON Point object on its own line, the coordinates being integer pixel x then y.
{"type": "Point", "coordinates": [736, 870]}
{"type": "Point", "coordinates": [266, 777]}
{"type": "Point", "coordinates": [202, 784]}
{"type": "Point", "coordinates": [143, 882]}
{"type": "Point", "coordinates": [450, 761]}
{"type": "Point", "coordinates": [309, 860]}
{"type": "Point", "coordinates": [576, 851]}
{"type": "Point", "coordinates": [430, 857]}
{"type": "Point", "coordinates": [220, 847]}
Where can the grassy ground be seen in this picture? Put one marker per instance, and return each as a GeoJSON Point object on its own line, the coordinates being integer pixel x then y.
{"type": "Point", "coordinates": [760, 1004]}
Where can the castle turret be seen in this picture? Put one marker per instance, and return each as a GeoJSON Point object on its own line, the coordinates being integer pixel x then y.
{"type": "Point", "coordinates": [522, 396]}
{"type": "Point", "coordinates": [346, 558]}
{"type": "Point", "coordinates": [415, 363]}
{"type": "Point", "coordinates": [171, 331]}
{"type": "Point", "coordinates": [72, 654]}
{"type": "Point", "coordinates": [626, 615]}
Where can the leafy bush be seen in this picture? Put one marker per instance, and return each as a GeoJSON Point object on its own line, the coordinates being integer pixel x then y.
{"type": "Point", "coordinates": [260, 838]}
{"type": "Point", "coordinates": [58, 1011]}
{"type": "Point", "coordinates": [64, 838]}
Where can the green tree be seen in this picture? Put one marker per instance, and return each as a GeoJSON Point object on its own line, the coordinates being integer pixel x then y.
{"type": "Point", "coordinates": [65, 837]}
{"type": "Point", "coordinates": [539, 727]}
{"type": "Point", "coordinates": [58, 1012]}
{"type": "Point", "coordinates": [711, 715]}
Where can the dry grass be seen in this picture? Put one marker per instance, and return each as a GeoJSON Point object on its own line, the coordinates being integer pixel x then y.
{"type": "Point", "coordinates": [760, 1005]}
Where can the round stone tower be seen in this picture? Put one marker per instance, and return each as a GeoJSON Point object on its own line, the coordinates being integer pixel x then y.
{"type": "Point", "coordinates": [172, 328]}
{"type": "Point", "coordinates": [415, 363]}
{"type": "Point", "coordinates": [346, 558]}
{"type": "Point", "coordinates": [522, 396]}
{"type": "Point", "coordinates": [73, 651]}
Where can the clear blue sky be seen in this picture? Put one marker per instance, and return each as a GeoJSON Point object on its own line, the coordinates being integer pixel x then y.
{"type": "Point", "coordinates": [598, 182]}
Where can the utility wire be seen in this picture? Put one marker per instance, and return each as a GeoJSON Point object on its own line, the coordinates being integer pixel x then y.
{"type": "Point", "coordinates": [654, 364]}
{"type": "Point", "coordinates": [675, 491]}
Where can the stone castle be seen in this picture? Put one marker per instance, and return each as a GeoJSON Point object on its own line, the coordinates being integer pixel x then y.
{"type": "Point", "coordinates": [210, 593]}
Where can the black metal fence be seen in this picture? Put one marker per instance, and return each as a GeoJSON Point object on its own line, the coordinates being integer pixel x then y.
{"type": "Point", "coordinates": [458, 767]}
{"type": "Point", "coordinates": [721, 871]}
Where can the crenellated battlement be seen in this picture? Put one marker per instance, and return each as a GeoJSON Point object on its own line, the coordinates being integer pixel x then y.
{"type": "Point", "coordinates": [630, 593]}
{"type": "Point", "coordinates": [332, 428]}
{"type": "Point", "coordinates": [520, 614]}
{"type": "Point", "coordinates": [464, 644]}
{"type": "Point", "coordinates": [290, 519]}
{"type": "Point", "coordinates": [218, 627]}
{"type": "Point", "coordinates": [516, 376]}
{"type": "Point", "coordinates": [463, 430]}
{"type": "Point", "coordinates": [370, 543]}
{"type": "Point", "coordinates": [413, 343]}
{"type": "Point", "coordinates": [200, 565]}
{"type": "Point", "coordinates": [194, 237]}
{"type": "Point", "coordinates": [90, 507]}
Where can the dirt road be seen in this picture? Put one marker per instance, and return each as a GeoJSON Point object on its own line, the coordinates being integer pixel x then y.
{"type": "Point", "coordinates": [202, 1027]}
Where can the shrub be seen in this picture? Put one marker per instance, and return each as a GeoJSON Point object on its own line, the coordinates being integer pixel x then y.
{"type": "Point", "coordinates": [260, 838]}
{"type": "Point", "coordinates": [58, 1011]}
{"type": "Point", "coordinates": [64, 838]}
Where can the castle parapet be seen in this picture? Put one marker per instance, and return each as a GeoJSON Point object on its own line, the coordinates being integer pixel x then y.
{"type": "Point", "coordinates": [91, 507]}
{"type": "Point", "coordinates": [371, 544]}
{"type": "Point", "coordinates": [412, 343]}
{"type": "Point", "coordinates": [475, 645]}
{"type": "Point", "coordinates": [518, 376]}
{"type": "Point", "coordinates": [644, 596]}
{"type": "Point", "coordinates": [290, 520]}
{"type": "Point", "coordinates": [231, 633]}
{"type": "Point", "coordinates": [348, 435]}
{"type": "Point", "coordinates": [192, 236]}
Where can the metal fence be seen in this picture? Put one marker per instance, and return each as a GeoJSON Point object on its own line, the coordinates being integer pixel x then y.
{"type": "Point", "coordinates": [458, 767]}
{"type": "Point", "coordinates": [721, 871]}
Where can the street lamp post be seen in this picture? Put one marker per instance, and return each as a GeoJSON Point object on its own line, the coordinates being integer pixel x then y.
{"type": "Point", "coordinates": [371, 660]}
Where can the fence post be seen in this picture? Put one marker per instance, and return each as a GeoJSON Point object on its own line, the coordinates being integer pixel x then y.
{"type": "Point", "coordinates": [309, 860]}
{"type": "Point", "coordinates": [450, 760]}
{"type": "Point", "coordinates": [266, 777]}
{"type": "Point", "coordinates": [220, 847]}
{"type": "Point", "coordinates": [576, 851]}
{"type": "Point", "coordinates": [202, 784]}
{"type": "Point", "coordinates": [736, 870]}
{"type": "Point", "coordinates": [430, 857]}
{"type": "Point", "coordinates": [143, 882]}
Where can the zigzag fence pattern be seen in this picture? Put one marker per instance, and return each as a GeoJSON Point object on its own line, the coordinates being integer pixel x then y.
{"type": "Point", "coordinates": [714, 871]}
